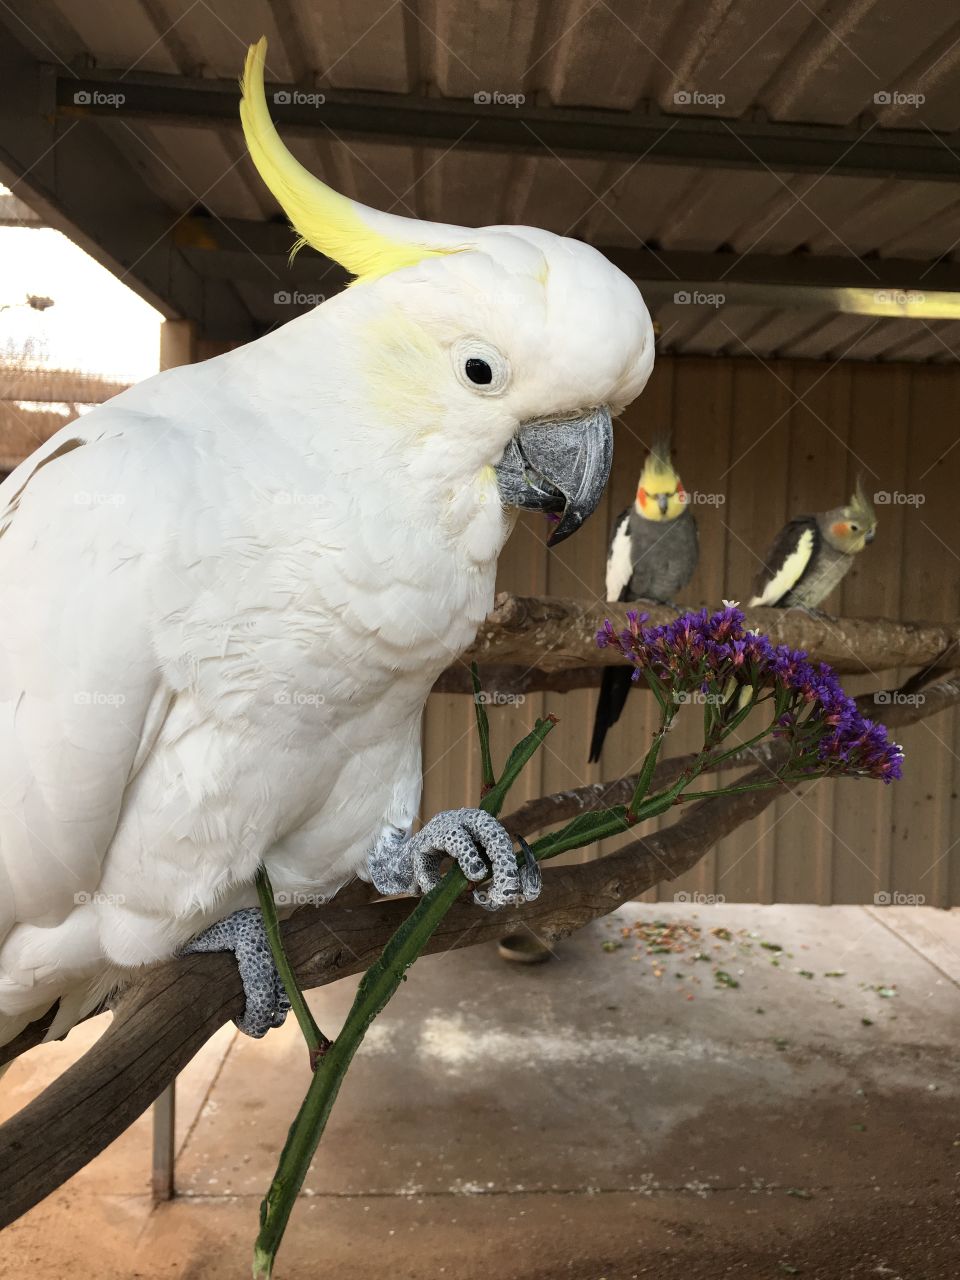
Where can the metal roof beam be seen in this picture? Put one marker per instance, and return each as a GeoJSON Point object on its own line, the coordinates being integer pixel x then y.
{"type": "Point", "coordinates": [896, 287]}
{"type": "Point", "coordinates": [710, 141]}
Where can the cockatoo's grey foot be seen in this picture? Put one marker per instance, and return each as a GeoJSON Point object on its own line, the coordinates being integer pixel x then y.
{"type": "Point", "coordinates": [477, 843]}
{"type": "Point", "coordinates": [244, 934]}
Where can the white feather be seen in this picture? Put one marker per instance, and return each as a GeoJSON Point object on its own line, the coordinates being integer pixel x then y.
{"type": "Point", "coordinates": [620, 559]}
{"type": "Point", "coordinates": [224, 610]}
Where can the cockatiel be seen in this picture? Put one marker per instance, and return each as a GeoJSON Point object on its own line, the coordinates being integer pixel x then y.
{"type": "Point", "coordinates": [228, 591]}
{"type": "Point", "coordinates": [653, 553]}
{"type": "Point", "coordinates": [812, 554]}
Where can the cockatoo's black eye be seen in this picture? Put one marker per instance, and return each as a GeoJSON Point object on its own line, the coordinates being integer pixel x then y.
{"type": "Point", "coordinates": [478, 371]}
{"type": "Point", "coordinates": [480, 367]}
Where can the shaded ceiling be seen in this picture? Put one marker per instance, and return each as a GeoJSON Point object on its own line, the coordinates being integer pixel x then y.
{"type": "Point", "coordinates": [780, 179]}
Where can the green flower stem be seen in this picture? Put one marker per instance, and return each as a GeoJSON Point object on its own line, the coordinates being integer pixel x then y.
{"type": "Point", "coordinates": [317, 1042]}
{"type": "Point", "coordinates": [487, 775]}
{"type": "Point", "coordinates": [733, 791]}
{"type": "Point", "coordinates": [649, 764]}
{"type": "Point", "coordinates": [378, 984]}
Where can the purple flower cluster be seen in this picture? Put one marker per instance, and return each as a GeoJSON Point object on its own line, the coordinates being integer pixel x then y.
{"type": "Point", "coordinates": [716, 655]}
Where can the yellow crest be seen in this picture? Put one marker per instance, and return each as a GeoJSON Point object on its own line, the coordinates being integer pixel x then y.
{"type": "Point", "coordinates": [366, 242]}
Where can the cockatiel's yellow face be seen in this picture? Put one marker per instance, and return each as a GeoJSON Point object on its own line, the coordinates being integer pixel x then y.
{"type": "Point", "coordinates": [660, 493]}
{"type": "Point", "coordinates": [502, 352]}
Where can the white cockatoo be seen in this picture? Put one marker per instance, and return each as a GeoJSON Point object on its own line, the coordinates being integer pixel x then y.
{"type": "Point", "coordinates": [228, 591]}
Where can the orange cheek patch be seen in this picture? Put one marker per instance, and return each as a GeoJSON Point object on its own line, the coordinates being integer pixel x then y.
{"type": "Point", "coordinates": [681, 494]}
{"type": "Point", "coordinates": [642, 496]}
{"type": "Point", "coordinates": [840, 529]}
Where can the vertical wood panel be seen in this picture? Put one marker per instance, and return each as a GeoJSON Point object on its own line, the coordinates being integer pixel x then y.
{"type": "Point", "coordinates": [776, 438]}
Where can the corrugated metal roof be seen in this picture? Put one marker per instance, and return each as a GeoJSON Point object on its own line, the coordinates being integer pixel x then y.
{"type": "Point", "coordinates": [810, 61]}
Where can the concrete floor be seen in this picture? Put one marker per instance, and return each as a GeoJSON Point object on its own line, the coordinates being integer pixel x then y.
{"type": "Point", "coordinates": [611, 1114]}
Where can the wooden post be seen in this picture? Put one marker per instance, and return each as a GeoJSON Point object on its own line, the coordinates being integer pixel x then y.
{"type": "Point", "coordinates": [164, 1144]}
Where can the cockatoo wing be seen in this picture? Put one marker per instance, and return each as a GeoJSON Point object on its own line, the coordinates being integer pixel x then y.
{"type": "Point", "coordinates": [80, 692]}
{"type": "Point", "coordinates": [787, 561]}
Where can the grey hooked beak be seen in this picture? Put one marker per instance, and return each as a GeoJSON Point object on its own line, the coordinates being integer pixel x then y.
{"type": "Point", "coordinates": [869, 536]}
{"type": "Point", "coordinates": [559, 465]}
{"type": "Point", "coordinates": [663, 501]}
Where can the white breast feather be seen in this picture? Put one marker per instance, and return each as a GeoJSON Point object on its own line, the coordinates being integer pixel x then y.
{"type": "Point", "coordinates": [620, 560]}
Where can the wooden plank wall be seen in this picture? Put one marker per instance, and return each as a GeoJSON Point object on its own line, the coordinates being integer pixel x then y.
{"type": "Point", "coordinates": [775, 439]}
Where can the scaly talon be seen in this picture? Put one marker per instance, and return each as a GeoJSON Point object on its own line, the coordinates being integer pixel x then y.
{"type": "Point", "coordinates": [476, 841]}
{"type": "Point", "coordinates": [244, 934]}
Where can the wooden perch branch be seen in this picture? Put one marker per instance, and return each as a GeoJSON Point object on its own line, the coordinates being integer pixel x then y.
{"type": "Point", "coordinates": [562, 633]}
{"type": "Point", "coordinates": [164, 1016]}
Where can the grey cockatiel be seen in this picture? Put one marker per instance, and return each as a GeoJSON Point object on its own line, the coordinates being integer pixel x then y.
{"type": "Point", "coordinates": [812, 554]}
{"type": "Point", "coordinates": [653, 553]}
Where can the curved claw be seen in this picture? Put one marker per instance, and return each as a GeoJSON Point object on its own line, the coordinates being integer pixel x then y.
{"type": "Point", "coordinates": [531, 877]}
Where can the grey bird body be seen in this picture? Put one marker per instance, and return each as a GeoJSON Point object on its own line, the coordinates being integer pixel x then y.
{"type": "Point", "coordinates": [663, 556]}
{"type": "Point", "coordinates": [812, 554]}
{"type": "Point", "coordinates": [653, 553]}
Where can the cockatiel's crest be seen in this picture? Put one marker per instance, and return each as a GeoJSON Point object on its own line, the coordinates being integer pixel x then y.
{"type": "Point", "coordinates": [660, 493]}
{"type": "Point", "coordinates": [851, 527]}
